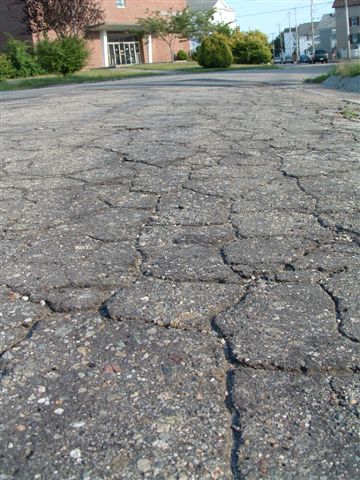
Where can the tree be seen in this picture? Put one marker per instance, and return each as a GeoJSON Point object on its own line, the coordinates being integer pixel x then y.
{"type": "Point", "coordinates": [279, 44]}
{"type": "Point", "coordinates": [174, 25]}
{"type": "Point", "coordinates": [67, 18]}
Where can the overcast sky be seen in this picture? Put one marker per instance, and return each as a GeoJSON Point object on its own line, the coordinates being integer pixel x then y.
{"type": "Point", "coordinates": [251, 14]}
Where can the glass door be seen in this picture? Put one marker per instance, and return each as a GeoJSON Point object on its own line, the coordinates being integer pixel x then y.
{"type": "Point", "coordinates": [124, 53]}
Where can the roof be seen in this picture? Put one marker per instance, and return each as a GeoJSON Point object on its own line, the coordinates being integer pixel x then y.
{"type": "Point", "coordinates": [115, 27]}
{"type": "Point", "coordinates": [205, 4]}
{"type": "Point", "coordinates": [306, 29]}
{"type": "Point", "coordinates": [328, 21]}
{"type": "Point", "coordinates": [341, 3]}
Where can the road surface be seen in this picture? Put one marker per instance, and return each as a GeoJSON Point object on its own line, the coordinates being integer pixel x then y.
{"type": "Point", "coordinates": [180, 279]}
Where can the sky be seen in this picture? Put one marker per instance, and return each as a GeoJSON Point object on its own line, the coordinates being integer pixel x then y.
{"type": "Point", "coordinates": [255, 14]}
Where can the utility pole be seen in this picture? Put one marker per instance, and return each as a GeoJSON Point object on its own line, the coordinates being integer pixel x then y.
{"type": "Point", "coordinates": [297, 36]}
{"type": "Point", "coordinates": [290, 37]}
{"type": "Point", "coordinates": [312, 27]}
{"type": "Point", "coordinates": [347, 30]}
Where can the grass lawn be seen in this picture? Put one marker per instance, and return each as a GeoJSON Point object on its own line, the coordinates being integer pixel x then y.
{"type": "Point", "coordinates": [194, 67]}
{"type": "Point", "coordinates": [98, 75]}
{"type": "Point", "coordinates": [348, 69]}
{"type": "Point", "coordinates": [105, 74]}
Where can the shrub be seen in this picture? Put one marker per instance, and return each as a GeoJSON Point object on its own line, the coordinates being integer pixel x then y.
{"type": "Point", "coordinates": [6, 68]}
{"type": "Point", "coordinates": [250, 49]}
{"type": "Point", "coordinates": [215, 52]}
{"type": "Point", "coordinates": [181, 55]}
{"type": "Point", "coordinates": [48, 55]}
{"type": "Point", "coordinates": [64, 55]}
{"type": "Point", "coordinates": [22, 58]}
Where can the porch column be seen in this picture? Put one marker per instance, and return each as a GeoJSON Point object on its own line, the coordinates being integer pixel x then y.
{"type": "Point", "coordinates": [150, 52]}
{"type": "Point", "coordinates": [104, 47]}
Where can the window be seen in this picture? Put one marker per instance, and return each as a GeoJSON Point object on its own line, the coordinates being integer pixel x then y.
{"type": "Point", "coordinates": [120, 3]}
{"type": "Point", "coordinates": [354, 21]}
{"type": "Point", "coordinates": [355, 38]}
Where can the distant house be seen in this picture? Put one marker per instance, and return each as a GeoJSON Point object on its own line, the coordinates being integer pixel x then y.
{"type": "Point", "coordinates": [223, 13]}
{"type": "Point", "coordinates": [115, 42]}
{"type": "Point", "coordinates": [305, 37]}
{"type": "Point", "coordinates": [327, 33]}
{"type": "Point", "coordinates": [289, 41]}
{"type": "Point", "coordinates": [353, 21]}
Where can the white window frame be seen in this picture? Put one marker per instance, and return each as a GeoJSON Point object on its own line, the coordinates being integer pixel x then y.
{"type": "Point", "coordinates": [120, 3]}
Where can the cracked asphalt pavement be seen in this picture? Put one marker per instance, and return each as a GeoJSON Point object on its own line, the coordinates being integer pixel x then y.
{"type": "Point", "coordinates": [180, 280]}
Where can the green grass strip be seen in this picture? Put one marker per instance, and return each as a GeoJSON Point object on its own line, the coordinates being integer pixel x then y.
{"type": "Point", "coordinates": [106, 74]}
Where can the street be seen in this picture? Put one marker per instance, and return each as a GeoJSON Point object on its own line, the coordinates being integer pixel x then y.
{"type": "Point", "coordinates": [180, 279]}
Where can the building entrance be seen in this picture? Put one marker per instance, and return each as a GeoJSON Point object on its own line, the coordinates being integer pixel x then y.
{"type": "Point", "coordinates": [123, 51]}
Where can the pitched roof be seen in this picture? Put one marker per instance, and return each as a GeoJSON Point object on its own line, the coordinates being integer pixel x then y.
{"type": "Point", "coordinates": [201, 4]}
{"type": "Point", "coordinates": [341, 3]}
{"type": "Point", "coordinates": [204, 4]}
{"type": "Point", "coordinates": [305, 28]}
{"type": "Point", "coordinates": [328, 20]}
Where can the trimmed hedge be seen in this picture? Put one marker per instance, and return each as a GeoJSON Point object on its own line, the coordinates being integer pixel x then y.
{"type": "Point", "coordinates": [181, 55]}
{"type": "Point", "coordinates": [214, 52]}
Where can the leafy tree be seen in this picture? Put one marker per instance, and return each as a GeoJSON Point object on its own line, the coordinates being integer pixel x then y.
{"type": "Point", "coordinates": [279, 44]}
{"type": "Point", "coordinates": [224, 28]}
{"type": "Point", "coordinates": [174, 25]}
{"type": "Point", "coordinates": [214, 52]}
{"type": "Point", "coordinates": [67, 18]}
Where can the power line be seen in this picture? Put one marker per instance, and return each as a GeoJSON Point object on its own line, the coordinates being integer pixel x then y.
{"type": "Point", "coordinates": [282, 10]}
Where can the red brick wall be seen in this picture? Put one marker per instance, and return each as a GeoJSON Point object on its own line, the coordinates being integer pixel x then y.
{"type": "Point", "coordinates": [11, 15]}
{"type": "Point", "coordinates": [137, 8]}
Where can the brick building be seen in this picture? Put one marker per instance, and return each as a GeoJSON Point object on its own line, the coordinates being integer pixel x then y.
{"type": "Point", "coordinates": [113, 43]}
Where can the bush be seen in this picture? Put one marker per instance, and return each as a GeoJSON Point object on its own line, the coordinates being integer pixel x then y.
{"type": "Point", "coordinates": [48, 55]}
{"type": "Point", "coordinates": [6, 68]}
{"type": "Point", "coordinates": [64, 55]}
{"type": "Point", "coordinates": [214, 52]}
{"type": "Point", "coordinates": [251, 49]}
{"type": "Point", "coordinates": [22, 58]}
{"type": "Point", "coordinates": [181, 55]}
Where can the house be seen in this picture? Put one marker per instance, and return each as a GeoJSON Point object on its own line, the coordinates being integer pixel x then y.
{"type": "Point", "coordinates": [327, 33]}
{"type": "Point", "coordinates": [305, 37]}
{"type": "Point", "coordinates": [353, 21]}
{"type": "Point", "coordinates": [113, 43]}
{"type": "Point", "coordinates": [289, 41]}
{"type": "Point", "coordinates": [223, 13]}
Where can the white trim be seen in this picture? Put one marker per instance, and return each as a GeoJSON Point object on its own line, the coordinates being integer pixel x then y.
{"type": "Point", "coordinates": [104, 45]}
{"type": "Point", "coordinates": [150, 52]}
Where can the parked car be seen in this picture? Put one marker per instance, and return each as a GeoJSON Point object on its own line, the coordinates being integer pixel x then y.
{"type": "Point", "coordinates": [320, 56]}
{"type": "Point", "coordinates": [277, 60]}
{"type": "Point", "coordinates": [288, 59]}
{"type": "Point", "coordinates": [304, 59]}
